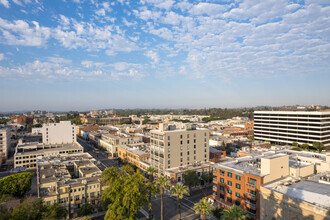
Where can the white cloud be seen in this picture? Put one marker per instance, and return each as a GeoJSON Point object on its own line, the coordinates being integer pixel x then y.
{"type": "Point", "coordinates": [5, 3]}
{"type": "Point", "coordinates": [91, 64]}
{"type": "Point", "coordinates": [20, 32]}
{"type": "Point", "coordinates": [153, 56]}
{"type": "Point", "coordinates": [2, 56]}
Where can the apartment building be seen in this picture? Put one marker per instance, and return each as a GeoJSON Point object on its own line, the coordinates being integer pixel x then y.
{"type": "Point", "coordinates": [71, 182]}
{"type": "Point", "coordinates": [26, 155]}
{"type": "Point", "coordinates": [137, 155]}
{"type": "Point", "coordinates": [238, 181]}
{"type": "Point", "coordinates": [86, 128]}
{"type": "Point", "coordinates": [111, 142]}
{"type": "Point", "coordinates": [287, 127]}
{"type": "Point", "coordinates": [296, 198]}
{"type": "Point", "coordinates": [4, 143]}
{"type": "Point", "coordinates": [173, 147]}
{"type": "Point", "coordinates": [63, 132]}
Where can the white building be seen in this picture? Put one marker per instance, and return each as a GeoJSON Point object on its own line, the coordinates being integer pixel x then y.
{"type": "Point", "coordinates": [4, 143]}
{"type": "Point", "coordinates": [292, 126]}
{"type": "Point", "coordinates": [59, 133]}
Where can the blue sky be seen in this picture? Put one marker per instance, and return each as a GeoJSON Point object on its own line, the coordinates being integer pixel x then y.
{"type": "Point", "coordinates": [89, 54]}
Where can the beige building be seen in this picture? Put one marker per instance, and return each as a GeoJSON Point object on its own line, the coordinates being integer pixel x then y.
{"type": "Point", "coordinates": [26, 155]}
{"type": "Point", "coordinates": [172, 147]}
{"type": "Point", "coordinates": [296, 198]}
{"type": "Point", "coordinates": [4, 143]}
{"type": "Point", "coordinates": [72, 182]}
{"type": "Point", "coordinates": [137, 155]}
{"type": "Point", "coordinates": [111, 142]}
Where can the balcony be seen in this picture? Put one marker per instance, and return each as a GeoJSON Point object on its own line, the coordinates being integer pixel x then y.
{"type": "Point", "coordinates": [251, 185]}
{"type": "Point", "coordinates": [215, 188]}
{"type": "Point", "coordinates": [215, 179]}
{"type": "Point", "coordinates": [251, 195]}
{"type": "Point", "coordinates": [222, 174]}
{"type": "Point", "coordinates": [252, 205]}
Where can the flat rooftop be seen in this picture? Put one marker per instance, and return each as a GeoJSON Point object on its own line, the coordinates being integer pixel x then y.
{"type": "Point", "coordinates": [309, 190]}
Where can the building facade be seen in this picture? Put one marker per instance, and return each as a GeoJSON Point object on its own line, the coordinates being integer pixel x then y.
{"type": "Point", "coordinates": [172, 147]}
{"type": "Point", "coordinates": [4, 143]}
{"type": "Point", "coordinates": [137, 155]}
{"type": "Point", "coordinates": [287, 127]}
{"type": "Point", "coordinates": [59, 133]}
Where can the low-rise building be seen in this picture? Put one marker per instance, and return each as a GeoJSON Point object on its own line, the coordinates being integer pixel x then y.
{"type": "Point", "coordinates": [137, 155]}
{"type": "Point", "coordinates": [26, 155]}
{"type": "Point", "coordinates": [87, 128]}
{"type": "Point", "coordinates": [70, 181]}
{"type": "Point", "coordinates": [296, 198]}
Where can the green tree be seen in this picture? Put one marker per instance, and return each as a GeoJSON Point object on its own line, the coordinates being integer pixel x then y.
{"type": "Point", "coordinates": [207, 177]}
{"type": "Point", "coordinates": [29, 209]}
{"type": "Point", "coordinates": [16, 185]}
{"type": "Point", "coordinates": [151, 188]}
{"type": "Point", "coordinates": [203, 208]}
{"type": "Point", "coordinates": [179, 190]}
{"type": "Point", "coordinates": [190, 178]}
{"type": "Point", "coordinates": [145, 121]}
{"type": "Point", "coordinates": [318, 145]}
{"type": "Point", "coordinates": [295, 144]}
{"type": "Point", "coordinates": [125, 194]}
{"type": "Point", "coordinates": [163, 182]}
{"type": "Point", "coordinates": [234, 213]}
{"type": "Point", "coordinates": [217, 212]}
{"type": "Point", "coordinates": [305, 146]}
{"type": "Point", "coordinates": [85, 209]}
{"type": "Point", "coordinates": [55, 212]}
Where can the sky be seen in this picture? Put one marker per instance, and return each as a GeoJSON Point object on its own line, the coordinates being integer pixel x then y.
{"type": "Point", "coordinates": [92, 54]}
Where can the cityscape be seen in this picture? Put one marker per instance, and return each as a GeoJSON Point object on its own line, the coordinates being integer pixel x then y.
{"type": "Point", "coordinates": [164, 110]}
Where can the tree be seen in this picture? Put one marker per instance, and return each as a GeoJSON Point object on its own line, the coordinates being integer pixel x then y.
{"type": "Point", "coordinates": [125, 194]}
{"type": "Point", "coordinates": [295, 144]}
{"type": "Point", "coordinates": [85, 209]}
{"type": "Point", "coordinates": [190, 178]}
{"type": "Point", "coordinates": [318, 145]}
{"type": "Point", "coordinates": [163, 182]}
{"type": "Point", "coordinates": [29, 209]}
{"type": "Point", "coordinates": [16, 185]}
{"type": "Point", "coordinates": [179, 190]}
{"type": "Point", "coordinates": [151, 171]}
{"type": "Point", "coordinates": [203, 207]}
{"type": "Point", "coordinates": [55, 211]}
{"type": "Point", "coordinates": [207, 177]}
{"type": "Point", "coordinates": [305, 146]}
{"type": "Point", "coordinates": [234, 213]}
{"type": "Point", "coordinates": [217, 212]}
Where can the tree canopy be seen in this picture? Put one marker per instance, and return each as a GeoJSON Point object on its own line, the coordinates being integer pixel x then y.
{"type": "Point", "coordinates": [203, 207]}
{"type": "Point", "coordinates": [234, 213]}
{"type": "Point", "coordinates": [190, 178]}
{"type": "Point", "coordinates": [16, 185]}
{"type": "Point", "coordinates": [125, 194]}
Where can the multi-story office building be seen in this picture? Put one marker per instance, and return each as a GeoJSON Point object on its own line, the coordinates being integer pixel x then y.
{"type": "Point", "coordinates": [4, 143]}
{"type": "Point", "coordinates": [292, 126]}
{"type": "Point", "coordinates": [26, 155]}
{"type": "Point", "coordinates": [173, 148]}
{"type": "Point", "coordinates": [238, 181]}
{"type": "Point", "coordinates": [70, 181]}
{"type": "Point", "coordinates": [59, 133]}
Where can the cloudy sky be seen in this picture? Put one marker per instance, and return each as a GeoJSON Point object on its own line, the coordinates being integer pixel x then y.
{"type": "Point", "coordinates": [90, 54]}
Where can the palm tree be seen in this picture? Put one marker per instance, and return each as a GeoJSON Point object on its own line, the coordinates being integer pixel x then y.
{"type": "Point", "coordinates": [150, 171]}
{"type": "Point", "coordinates": [179, 190]}
{"type": "Point", "coordinates": [234, 213]}
{"type": "Point", "coordinates": [203, 208]}
{"type": "Point", "coordinates": [163, 182]}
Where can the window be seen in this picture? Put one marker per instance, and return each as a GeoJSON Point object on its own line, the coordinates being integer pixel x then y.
{"type": "Point", "coordinates": [180, 142]}
{"type": "Point", "coordinates": [194, 135]}
{"type": "Point", "coordinates": [168, 144]}
{"type": "Point", "coordinates": [187, 158]}
{"type": "Point", "coordinates": [188, 153]}
{"type": "Point", "coordinates": [181, 136]}
{"type": "Point", "coordinates": [181, 160]}
{"type": "Point", "coordinates": [205, 134]}
{"type": "Point", "coordinates": [169, 155]}
{"type": "Point", "coordinates": [194, 152]}
{"type": "Point", "coordinates": [181, 148]}
{"type": "Point", "coordinates": [181, 154]}
{"type": "Point", "coordinates": [169, 161]}
{"type": "Point", "coordinates": [168, 137]}
{"type": "Point", "coordinates": [222, 188]}
{"type": "Point", "coordinates": [253, 181]}
{"type": "Point", "coordinates": [238, 203]}
{"type": "Point", "coordinates": [194, 140]}
{"type": "Point", "coordinates": [229, 199]}
{"type": "Point", "coordinates": [238, 186]}
{"type": "Point", "coordinates": [195, 146]}
{"type": "Point", "coordinates": [222, 180]}
{"type": "Point", "coordinates": [187, 147]}
{"type": "Point", "coordinates": [222, 196]}
{"type": "Point", "coordinates": [205, 155]}
{"type": "Point", "coordinates": [205, 150]}
{"type": "Point", "coordinates": [169, 150]}
{"type": "Point", "coordinates": [187, 141]}
{"type": "Point", "coordinates": [187, 135]}
{"type": "Point", "coordinates": [238, 177]}
{"type": "Point", "coordinates": [238, 195]}
{"type": "Point", "coordinates": [229, 183]}
{"type": "Point", "coordinates": [229, 174]}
